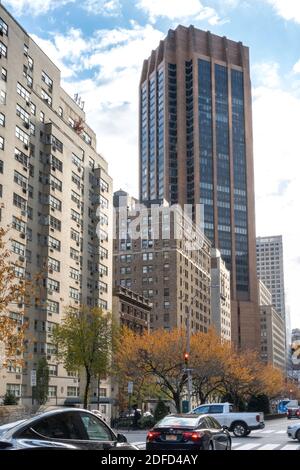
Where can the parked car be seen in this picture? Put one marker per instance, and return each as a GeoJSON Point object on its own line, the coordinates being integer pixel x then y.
{"type": "Point", "coordinates": [293, 431]}
{"type": "Point", "coordinates": [241, 424]}
{"type": "Point", "coordinates": [188, 433]}
{"type": "Point", "coordinates": [293, 409]}
{"type": "Point", "coordinates": [78, 428]}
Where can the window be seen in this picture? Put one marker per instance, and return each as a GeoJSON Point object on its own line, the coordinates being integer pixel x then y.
{"type": "Point", "coordinates": [18, 225]}
{"type": "Point", "coordinates": [57, 427]}
{"type": "Point", "coordinates": [3, 27]}
{"type": "Point", "coordinates": [42, 117]}
{"type": "Point", "coordinates": [52, 370]}
{"type": "Point", "coordinates": [76, 160]}
{"type": "Point", "coordinates": [26, 49]}
{"type": "Point", "coordinates": [74, 254]}
{"type": "Point", "coordinates": [30, 62]}
{"type": "Point", "coordinates": [56, 163]}
{"type": "Point", "coordinates": [55, 183]}
{"type": "Point", "coordinates": [3, 49]}
{"type": "Point", "coordinates": [73, 391]}
{"type": "Point", "coordinates": [21, 157]}
{"type": "Point", "coordinates": [2, 120]}
{"type": "Point", "coordinates": [53, 243]}
{"type": "Point", "coordinates": [87, 138]}
{"type": "Point", "coordinates": [103, 202]}
{"type": "Point", "coordinates": [20, 180]}
{"type": "Point", "coordinates": [76, 179]}
{"type": "Point", "coordinates": [74, 293]}
{"type": "Point", "coordinates": [33, 109]}
{"type": "Point", "coordinates": [23, 114]}
{"type": "Point", "coordinates": [55, 223]}
{"type": "Point", "coordinates": [1, 143]}
{"type": "Point", "coordinates": [32, 128]}
{"type": "Point", "coordinates": [74, 274]}
{"type": "Point", "coordinates": [23, 92]}
{"type": "Point", "coordinates": [19, 202]}
{"type": "Point", "coordinates": [54, 264]}
{"type": "Point", "coordinates": [47, 98]}
{"type": "Point", "coordinates": [47, 80]}
{"type": "Point", "coordinates": [19, 271]}
{"type": "Point", "coordinates": [22, 136]}
{"type": "Point", "coordinates": [75, 216]}
{"type": "Point", "coordinates": [53, 285]}
{"type": "Point", "coordinates": [60, 112]}
{"type": "Point", "coordinates": [3, 74]}
{"type": "Point", "coordinates": [52, 306]}
{"type": "Point", "coordinates": [95, 429]}
{"type": "Point", "coordinates": [14, 389]}
{"type": "Point", "coordinates": [75, 197]}
{"type": "Point", "coordinates": [18, 248]}
{"type": "Point", "coordinates": [54, 203]}
{"type": "Point", "coordinates": [75, 235]}
{"type": "Point", "coordinates": [2, 97]}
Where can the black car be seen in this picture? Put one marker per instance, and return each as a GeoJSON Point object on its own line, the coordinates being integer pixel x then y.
{"type": "Point", "coordinates": [69, 428]}
{"type": "Point", "coordinates": [188, 433]}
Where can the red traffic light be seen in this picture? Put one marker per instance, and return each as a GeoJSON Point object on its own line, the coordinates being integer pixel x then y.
{"type": "Point", "coordinates": [186, 357]}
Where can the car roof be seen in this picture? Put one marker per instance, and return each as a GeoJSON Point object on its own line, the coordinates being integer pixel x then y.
{"type": "Point", "coordinates": [15, 426]}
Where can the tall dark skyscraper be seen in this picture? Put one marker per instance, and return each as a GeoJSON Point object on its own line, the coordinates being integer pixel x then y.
{"type": "Point", "coordinates": [196, 147]}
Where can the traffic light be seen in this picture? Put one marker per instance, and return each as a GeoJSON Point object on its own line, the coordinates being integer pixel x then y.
{"type": "Point", "coordinates": [186, 359]}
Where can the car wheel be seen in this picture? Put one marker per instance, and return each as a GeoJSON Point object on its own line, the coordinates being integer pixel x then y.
{"type": "Point", "coordinates": [248, 432]}
{"type": "Point", "coordinates": [298, 435]}
{"type": "Point", "coordinates": [239, 429]}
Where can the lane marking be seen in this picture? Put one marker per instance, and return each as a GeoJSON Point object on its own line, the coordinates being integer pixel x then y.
{"type": "Point", "coordinates": [290, 447]}
{"type": "Point", "coordinates": [268, 447]}
{"type": "Point", "coordinates": [248, 446]}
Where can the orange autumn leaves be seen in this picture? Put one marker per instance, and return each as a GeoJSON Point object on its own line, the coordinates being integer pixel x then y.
{"type": "Point", "coordinates": [155, 363]}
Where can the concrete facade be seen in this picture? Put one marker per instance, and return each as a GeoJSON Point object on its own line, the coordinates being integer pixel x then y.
{"type": "Point", "coordinates": [173, 274]}
{"type": "Point", "coordinates": [220, 296]}
{"type": "Point", "coordinates": [196, 147]}
{"type": "Point", "coordinates": [57, 197]}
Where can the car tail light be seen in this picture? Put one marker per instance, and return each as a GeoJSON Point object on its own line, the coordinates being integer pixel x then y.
{"type": "Point", "coordinates": [193, 436]}
{"type": "Point", "coordinates": [258, 418]}
{"type": "Point", "coordinates": [298, 412]}
{"type": "Point", "coordinates": [152, 435]}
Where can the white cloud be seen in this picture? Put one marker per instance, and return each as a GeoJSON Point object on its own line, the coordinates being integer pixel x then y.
{"type": "Point", "coordinates": [62, 49]}
{"type": "Point", "coordinates": [296, 68]}
{"type": "Point", "coordinates": [288, 9]}
{"type": "Point", "coordinates": [277, 172]}
{"type": "Point", "coordinates": [266, 74]}
{"type": "Point", "coordinates": [102, 7]}
{"type": "Point", "coordinates": [35, 7]}
{"type": "Point", "coordinates": [178, 9]}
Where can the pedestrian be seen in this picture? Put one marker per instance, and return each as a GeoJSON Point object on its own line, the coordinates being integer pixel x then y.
{"type": "Point", "coordinates": [136, 416]}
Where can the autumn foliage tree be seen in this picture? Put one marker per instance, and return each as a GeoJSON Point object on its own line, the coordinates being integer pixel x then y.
{"type": "Point", "coordinates": [217, 369]}
{"type": "Point", "coordinates": [84, 341]}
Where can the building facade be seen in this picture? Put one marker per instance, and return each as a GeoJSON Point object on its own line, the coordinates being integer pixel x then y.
{"type": "Point", "coordinates": [220, 296]}
{"type": "Point", "coordinates": [163, 256]}
{"type": "Point", "coordinates": [269, 256]}
{"type": "Point", "coordinates": [196, 148]}
{"type": "Point", "coordinates": [273, 349]}
{"type": "Point", "coordinates": [57, 198]}
{"type": "Point", "coordinates": [131, 309]}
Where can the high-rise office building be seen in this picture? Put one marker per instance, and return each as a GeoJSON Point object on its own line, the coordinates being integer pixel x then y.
{"type": "Point", "coordinates": [269, 258]}
{"type": "Point", "coordinates": [57, 198]}
{"type": "Point", "coordinates": [196, 148]}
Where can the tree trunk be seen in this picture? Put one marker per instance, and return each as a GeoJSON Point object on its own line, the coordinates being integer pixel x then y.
{"type": "Point", "coordinates": [86, 390]}
{"type": "Point", "coordinates": [176, 398]}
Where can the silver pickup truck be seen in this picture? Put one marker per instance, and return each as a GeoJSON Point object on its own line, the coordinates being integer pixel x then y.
{"type": "Point", "coordinates": [240, 423]}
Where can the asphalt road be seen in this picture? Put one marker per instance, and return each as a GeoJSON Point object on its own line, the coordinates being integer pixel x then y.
{"type": "Point", "coordinates": [272, 437]}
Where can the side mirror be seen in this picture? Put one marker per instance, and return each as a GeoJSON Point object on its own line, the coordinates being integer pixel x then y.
{"type": "Point", "coordinates": [224, 428]}
{"type": "Point", "coordinates": [121, 438]}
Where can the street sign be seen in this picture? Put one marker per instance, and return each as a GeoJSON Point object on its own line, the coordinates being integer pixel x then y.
{"type": "Point", "coordinates": [130, 388]}
{"type": "Point", "coordinates": [33, 378]}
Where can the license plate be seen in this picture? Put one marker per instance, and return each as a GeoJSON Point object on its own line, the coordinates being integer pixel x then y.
{"type": "Point", "coordinates": [171, 437]}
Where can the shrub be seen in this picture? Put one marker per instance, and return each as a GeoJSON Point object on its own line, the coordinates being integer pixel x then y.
{"type": "Point", "coordinates": [146, 422]}
{"type": "Point", "coordinates": [10, 399]}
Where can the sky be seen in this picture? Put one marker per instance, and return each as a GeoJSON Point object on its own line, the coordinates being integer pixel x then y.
{"type": "Point", "coordinates": [100, 45]}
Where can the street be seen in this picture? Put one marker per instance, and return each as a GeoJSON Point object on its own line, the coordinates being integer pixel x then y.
{"type": "Point", "coordinates": [273, 437]}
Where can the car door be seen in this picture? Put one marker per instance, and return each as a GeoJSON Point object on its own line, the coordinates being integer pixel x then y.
{"type": "Point", "coordinates": [202, 409]}
{"type": "Point", "coordinates": [220, 436]}
{"type": "Point", "coordinates": [96, 434]}
{"type": "Point", "coordinates": [217, 412]}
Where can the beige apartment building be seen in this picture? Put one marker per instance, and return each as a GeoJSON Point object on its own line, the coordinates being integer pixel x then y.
{"type": "Point", "coordinates": [131, 309]}
{"type": "Point", "coordinates": [57, 198]}
{"type": "Point", "coordinates": [220, 296]}
{"type": "Point", "coordinates": [273, 350]}
{"type": "Point", "coordinates": [164, 257]}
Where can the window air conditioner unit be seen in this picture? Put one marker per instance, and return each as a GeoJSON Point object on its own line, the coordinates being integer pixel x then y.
{"type": "Point", "coordinates": [50, 292]}
{"type": "Point", "coordinates": [79, 169]}
{"type": "Point", "coordinates": [1, 32]}
{"type": "Point", "coordinates": [53, 168]}
{"type": "Point", "coordinates": [24, 191]}
{"type": "Point", "coordinates": [26, 147]}
{"type": "Point", "coordinates": [21, 258]}
{"type": "Point", "coordinates": [27, 103]}
{"type": "Point", "coordinates": [51, 249]}
{"type": "Point", "coordinates": [22, 235]}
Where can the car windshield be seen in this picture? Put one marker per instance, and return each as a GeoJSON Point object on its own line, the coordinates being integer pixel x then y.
{"type": "Point", "coordinates": [177, 421]}
{"type": "Point", "coordinates": [6, 427]}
